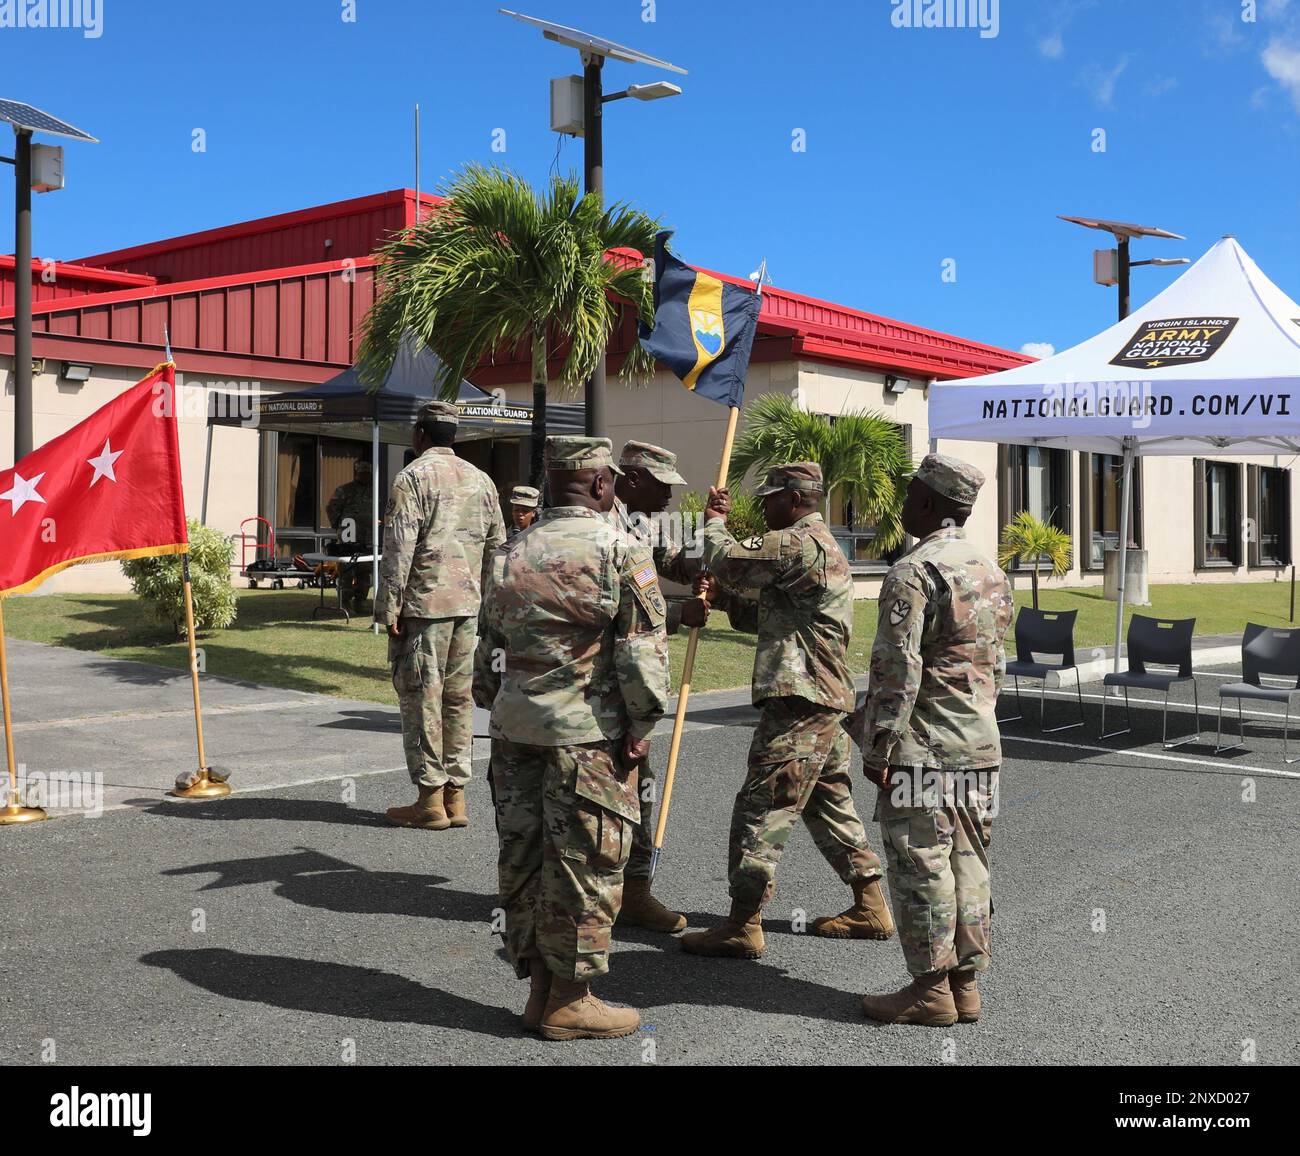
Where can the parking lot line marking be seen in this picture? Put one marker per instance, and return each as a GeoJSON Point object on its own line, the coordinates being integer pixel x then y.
{"type": "Point", "coordinates": [1212, 709]}
{"type": "Point", "coordinates": [1218, 766]}
{"type": "Point", "coordinates": [91, 720]}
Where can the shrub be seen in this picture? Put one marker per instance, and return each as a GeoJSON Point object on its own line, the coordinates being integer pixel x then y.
{"type": "Point", "coordinates": [159, 583]}
{"type": "Point", "coordinates": [1034, 543]}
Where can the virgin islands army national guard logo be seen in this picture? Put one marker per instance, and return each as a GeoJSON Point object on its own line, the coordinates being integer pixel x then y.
{"type": "Point", "coordinates": [1180, 341]}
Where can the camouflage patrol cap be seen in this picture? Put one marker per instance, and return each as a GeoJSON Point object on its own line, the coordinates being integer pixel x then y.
{"type": "Point", "coordinates": [572, 452]}
{"type": "Point", "coordinates": [525, 496]}
{"type": "Point", "coordinates": [655, 460]}
{"type": "Point", "coordinates": [441, 411]}
{"type": "Point", "coordinates": [804, 476]}
{"type": "Point", "coordinates": [951, 477]}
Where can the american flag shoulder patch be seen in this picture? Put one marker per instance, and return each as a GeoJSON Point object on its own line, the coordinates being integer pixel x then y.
{"type": "Point", "coordinates": [644, 575]}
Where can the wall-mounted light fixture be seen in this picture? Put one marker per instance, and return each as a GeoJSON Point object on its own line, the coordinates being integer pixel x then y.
{"type": "Point", "coordinates": [896, 384]}
{"type": "Point", "coordinates": [74, 372]}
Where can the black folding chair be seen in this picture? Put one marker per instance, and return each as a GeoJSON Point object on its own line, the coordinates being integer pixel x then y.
{"type": "Point", "coordinates": [1263, 651]}
{"type": "Point", "coordinates": [1165, 642]}
{"type": "Point", "coordinates": [1044, 632]}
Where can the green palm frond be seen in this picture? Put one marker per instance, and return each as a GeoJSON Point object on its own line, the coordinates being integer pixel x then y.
{"type": "Point", "coordinates": [863, 457]}
{"type": "Point", "coordinates": [1031, 540]}
{"type": "Point", "coordinates": [497, 260]}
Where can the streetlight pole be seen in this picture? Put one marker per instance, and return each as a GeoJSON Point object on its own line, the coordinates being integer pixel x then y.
{"type": "Point", "coordinates": [593, 156]}
{"type": "Point", "coordinates": [23, 429]}
{"type": "Point", "coordinates": [1123, 276]}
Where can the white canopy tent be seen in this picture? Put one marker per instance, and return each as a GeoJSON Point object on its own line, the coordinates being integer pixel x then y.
{"type": "Point", "coordinates": [1211, 363]}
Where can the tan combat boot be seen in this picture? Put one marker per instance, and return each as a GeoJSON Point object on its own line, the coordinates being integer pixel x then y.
{"type": "Point", "coordinates": [641, 909]}
{"type": "Point", "coordinates": [539, 990]}
{"type": "Point", "coordinates": [573, 1013]}
{"type": "Point", "coordinates": [425, 813]}
{"type": "Point", "coordinates": [453, 800]}
{"type": "Point", "coordinates": [965, 995]}
{"type": "Point", "coordinates": [739, 936]}
{"type": "Point", "coordinates": [868, 918]}
{"type": "Point", "coordinates": [926, 1000]}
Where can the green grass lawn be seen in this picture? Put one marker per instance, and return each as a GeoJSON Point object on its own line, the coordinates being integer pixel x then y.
{"type": "Point", "coordinates": [275, 642]}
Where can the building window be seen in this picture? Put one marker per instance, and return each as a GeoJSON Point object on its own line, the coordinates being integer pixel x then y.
{"type": "Point", "coordinates": [1218, 513]}
{"type": "Point", "coordinates": [1269, 501]}
{"type": "Point", "coordinates": [1038, 480]}
{"type": "Point", "coordinates": [1101, 477]}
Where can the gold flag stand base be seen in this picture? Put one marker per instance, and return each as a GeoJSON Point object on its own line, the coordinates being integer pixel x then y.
{"type": "Point", "coordinates": [205, 788]}
{"type": "Point", "coordinates": [13, 815]}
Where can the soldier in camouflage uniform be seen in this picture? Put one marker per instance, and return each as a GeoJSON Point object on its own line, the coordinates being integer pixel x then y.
{"type": "Point", "coordinates": [799, 758]}
{"type": "Point", "coordinates": [930, 741]}
{"type": "Point", "coordinates": [525, 502]}
{"type": "Point", "coordinates": [573, 662]}
{"type": "Point", "coordinates": [643, 492]}
{"type": "Point", "coordinates": [351, 514]}
{"type": "Point", "coordinates": [443, 523]}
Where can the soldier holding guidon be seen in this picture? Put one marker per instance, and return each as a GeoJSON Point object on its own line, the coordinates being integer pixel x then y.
{"type": "Point", "coordinates": [443, 523]}
{"type": "Point", "coordinates": [642, 493]}
{"type": "Point", "coordinates": [930, 742]}
{"type": "Point", "coordinates": [573, 662]}
{"type": "Point", "coordinates": [799, 758]}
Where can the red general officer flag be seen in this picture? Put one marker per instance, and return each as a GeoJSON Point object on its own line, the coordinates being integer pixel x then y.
{"type": "Point", "coordinates": [108, 488]}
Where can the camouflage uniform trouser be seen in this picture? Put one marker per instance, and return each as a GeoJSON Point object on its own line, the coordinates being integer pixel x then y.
{"type": "Point", "coordinates": [939, 867]}
{"type": "Point", "coordinates": [564, 824]}
{"type": "Point", "coordinates": [798, 765]}
{"type": "Point", "coordinates": [433, 668]}
{"type": "Point", "coordinates": [643, 835]}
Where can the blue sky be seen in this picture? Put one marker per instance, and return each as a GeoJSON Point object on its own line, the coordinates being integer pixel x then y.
{"type": "Point", "coordinates": [923, 145]}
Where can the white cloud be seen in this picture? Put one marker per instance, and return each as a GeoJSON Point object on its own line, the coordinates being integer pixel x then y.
{"type": "Point", "coordinates": [1102, 83]}
{"type": "Point", "coordinates": [1038, 349]}
{"type": "Point", "coordinates": [1158, 86]}
{"type": "Point", "coordinates": [1282, 62]}
{"type": "Point", "coordinates": [1052, 46]}
{"type": "Point", "coordinates": [1275, 7]}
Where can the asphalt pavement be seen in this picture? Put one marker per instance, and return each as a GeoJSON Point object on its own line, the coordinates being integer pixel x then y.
{"type": "Point", "coordinates": [1145, 900]}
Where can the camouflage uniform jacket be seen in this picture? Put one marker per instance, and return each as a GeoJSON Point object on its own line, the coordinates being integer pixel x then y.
{"type": "Point", "coordinates": [443, 522]}
{"type": "Point", "coordinates": [938, 661]}
{"type": "Point", "coordinates": [571, 644]}
{"type": "Point", "coordinates": [353, 500]}
{"type": "Point", "coordinates": [670, 558]}
{"type": "Point", "coordinates": [804, 612]}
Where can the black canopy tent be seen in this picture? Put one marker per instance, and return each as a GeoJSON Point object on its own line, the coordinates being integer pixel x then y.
{"type": "Point", "coordinates": [382, 417]}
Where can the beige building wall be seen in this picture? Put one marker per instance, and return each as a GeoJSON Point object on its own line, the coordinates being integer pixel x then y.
{"type": "Point", "coordinates": [663, 413]}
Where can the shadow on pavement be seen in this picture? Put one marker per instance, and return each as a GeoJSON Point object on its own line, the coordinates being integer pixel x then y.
{"type": "Point", "coordinates": [334, 989]}
{"type": "Point", "coordinates": [236, 807]}
{"type": "Point", "coordinates": [388, 721]}
{"type": "Point", "coordinates": [314, 879]}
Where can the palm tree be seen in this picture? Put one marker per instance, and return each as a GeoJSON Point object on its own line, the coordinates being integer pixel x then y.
{"type": "Point", "coordinates": [1032, 541]}
{"type": "Point", "coordinates": [498, 263]}
{"type": "Point", "coordinates": [862, 455]}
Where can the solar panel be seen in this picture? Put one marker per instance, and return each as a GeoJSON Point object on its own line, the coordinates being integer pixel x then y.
{"type": "Point", "coordinates": [586, 42]}
{"type": "Point", "coordinates": [1121, 228]}
{"type": "Point", "coordinates": [24, 116]}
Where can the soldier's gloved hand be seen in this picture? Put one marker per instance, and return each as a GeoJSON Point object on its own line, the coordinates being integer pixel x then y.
{"type": "Point", "coordinates": [395, 629]}
{"type": "Point", "coordinates": [634, 751]}
{"type": "Point", "coordinates": [719, 504]}
{"type": "Point", "coordinates": [695, 613]}
{"type": "Point", "coordinates": [706, 587]}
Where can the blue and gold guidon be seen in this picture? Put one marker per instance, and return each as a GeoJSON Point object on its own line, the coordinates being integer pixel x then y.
{"type": "Point", "coordinates": [704, 328]}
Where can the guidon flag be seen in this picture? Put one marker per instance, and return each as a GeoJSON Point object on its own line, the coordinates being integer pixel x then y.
{"type": "Point", "coordinates": [108, 488]}
{"type": "Point", "coordinates": [704, 327]}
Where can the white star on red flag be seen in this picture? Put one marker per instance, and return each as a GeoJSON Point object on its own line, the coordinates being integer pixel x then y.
{"type": "Point", "coordinates": [104, 463]}
{"type": "Point", "coordinates": [22, 492]}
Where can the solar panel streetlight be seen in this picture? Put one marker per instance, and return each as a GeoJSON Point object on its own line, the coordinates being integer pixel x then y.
{"type": "Point", "coordinates": [27, 120]}
{"type": "Point", "coordinates": [595, 50]}
{"type": "Point", "coordinates": [1123, 232]}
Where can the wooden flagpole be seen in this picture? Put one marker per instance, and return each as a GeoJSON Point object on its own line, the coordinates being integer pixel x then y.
{"type": "Point", "coordinates": [688, 667]}
{"type": "Point", "coordinates": [14, 812]}
{"type": "Point", "coordinates": [204, 787]}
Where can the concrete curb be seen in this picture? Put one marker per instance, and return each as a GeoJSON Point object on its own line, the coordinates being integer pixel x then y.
{"type": "Point", "coordinates": [1094, 670]}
